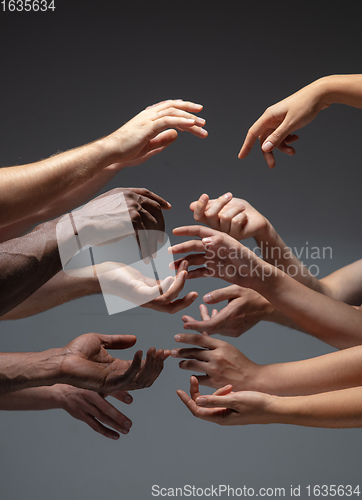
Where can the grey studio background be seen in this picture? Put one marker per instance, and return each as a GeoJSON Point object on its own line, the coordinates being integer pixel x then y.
{"type": "Point", "coordinates": [74, 75]}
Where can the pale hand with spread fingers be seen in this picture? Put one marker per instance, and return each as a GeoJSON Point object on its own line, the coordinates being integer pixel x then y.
{"type": "Point", "coordinates": [244, 310]}
{"type": "Point", "coordinates": [221, 362]}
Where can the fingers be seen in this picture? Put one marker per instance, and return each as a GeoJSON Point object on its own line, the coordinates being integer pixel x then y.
{"type": "Point", "coordinates": [276, 137]}
{"type": "Point", "coordinates": [228, 293]}
{"type": "Point", "coordinates": [199, 340]}
{"type": "Point", "coordinates": [106, 413]}
{"type": "Point", "coordinates": [204, 312]}
{"type": "Point", "coordinates": [151, 368]}
{"type": "Point", "coordinates": [200, 207]}
{"type": "Point", "coordinates": [122, 396]}
{"type": "Point", "coordinates": [117, 341]}
{"type": "Point", "coordinates": [200, 231]}
{"type": "Point", "coordinates": [153, 196]}
{"type": "Point", "coordinates": [192, 353]}
{"type": "Point", "coordinates": [98, 427]}
{"type": "Point", "coordinates": [195, 259]}
{"type": "Point", "coordinates": [188, 246]}
{"type": "Point", "coordinates": [214, 401]}
{"type": "Point", "coordinates": [212, 213]}
{"type": "Point", "coordinates": [253, 133]}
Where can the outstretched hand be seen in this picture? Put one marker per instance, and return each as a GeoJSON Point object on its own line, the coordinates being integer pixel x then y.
{"type": "Point", "coordinates": [226, 407]}
{"type": "Point", "coordinates": [87, 364]}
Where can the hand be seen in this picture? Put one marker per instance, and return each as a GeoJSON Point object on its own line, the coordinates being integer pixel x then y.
{"type": "Point", "coordinates": [244, 310]}
{"type": "Point", "coordinates": [146, 133]}
{"type": "Point", "coordinates": [230, 215]}
{"type": "Point", "coordinates": [166, 302]}
{"type": "Point", "coordinates": [275, 126]}
{"type": "Point", "coordinates": [87, 364]}
{"type": "Point", "coordinates": [222, 255]}
{"type": "Point", "coordinates": [221, 362]}
{"type": "Point", "coordinates": [129, 283]}
{"type": "Point", "coordinates": [93, 409]}
{"type": "Point", "coordinates": [225, 407]}
{"type": "Point", "coordinates": [119, 213]}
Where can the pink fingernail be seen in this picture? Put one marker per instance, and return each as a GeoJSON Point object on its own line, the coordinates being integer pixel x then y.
{"type": "Point", "coordinates": [206, 240]}
{"type": "Point", "coordinates": [173, 353]}
{"type": "Point", "coordinates": [207, 298]}
{"type": "Point", "coordinates": [177, 338]}
{"type": "Point", "coordinates": [267, 147]}
{"type": "Point", "coordinates": [201, 401]}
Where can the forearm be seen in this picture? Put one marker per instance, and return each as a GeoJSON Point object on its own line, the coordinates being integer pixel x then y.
{"type": "Point", "coordinates": [341, 89]}
{"type": "Point", "coordinates": [330, 372]}
{"type": "Point", "coordinates": [24, 370]}
{"type": "Point", "coordinates": [277, 253]}
{"type": "Point", "coordinates": [58, 290]}
{"type": "Point", "coordinates": [345, 284]}
{"type": "Point", "coordinates": [26, 264]}
{"type": "Point", "coordinates": [329, 320]}
{"type": "Point", "coordinates": [34, 398]}
{"type": "Point", "coordinates": [337, 409]}
{"type": "Point", "coordinates": [28, 189]}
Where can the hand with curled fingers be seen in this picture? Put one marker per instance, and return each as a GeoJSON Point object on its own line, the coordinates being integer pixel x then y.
{"type": "Point", "coordinates": [124, 281]}
{"type": "Point", "coordinates": [221, 362]}
{"type": "Point", "coordinates": [167, 301]}
{"type": "Point", "coordinates": [225, 407]}
{"type": "Point", "coordinates": [220, 255]}
{"type": "Point", "coordinates": [152, 130]}
{"type": "Point", "coordinates": [86, 364]}
{"type": "Point", "coordinates": [94, 409]}
{"type": "Point", "coordinates": [230, 215]}
{"type": "Point", "coordinates": [244, 310]}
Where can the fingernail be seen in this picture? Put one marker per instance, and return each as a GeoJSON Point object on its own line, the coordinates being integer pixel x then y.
{"type": "Point", "coordinates": [128, 399]}
{"type": "Point", "coordinates": [206, 240]}
{"type": "Point", "coordinates": [207, 298]}
{"type": "Point", "coordinates": [190, 120]}
{"type": "Point", "coordinates": [125, 431]}
{"type": "Point", "coordinates": [268, 146]}
{"type": "Point", "coordinates": [228, 196]}
{"type": "Point", "coordinates": [201, 401]}
{"type": "Point", "coordinates": [115, 437]}
{"type": "Point", "coordinates": [187, 327]}
{"type": "Point", "coordinates": [203, 197]}
{"type": "Point", "coordinates": [173, 353]}
{"type": "Point", "coordinates": [127, 424]}
{"type": "Point", "coordinates": [177, 338]}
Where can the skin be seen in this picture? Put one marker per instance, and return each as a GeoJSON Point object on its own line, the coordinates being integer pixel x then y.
{"type": "Point", "coordinates": [63, 288]}
{"type": "Point", "coordinates": [336, 409]}
{"type": "Point", "coordinates": [64, 181]}
{"type": "Point", "coordinates": [223, 364]}
{"type": "Point", "coordinates": [246, 307]}
{"type": "Point", "coordinates": [28, 262]}
{"type": "Point", "coordinates": [87, 406]}
{"type": "Point", "coordinates": [275, 127]}
{"type": "Point", "coordinates": [225, 258]}
{"type": "Point", "coordinates": [83, 363]}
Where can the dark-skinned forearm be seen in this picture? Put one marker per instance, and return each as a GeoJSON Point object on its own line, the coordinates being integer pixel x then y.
{"type": "Point", "coordinates": [27, 263]}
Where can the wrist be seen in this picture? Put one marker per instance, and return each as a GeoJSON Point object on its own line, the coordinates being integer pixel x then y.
{"type": "Point", "coordinates": [266, 235]}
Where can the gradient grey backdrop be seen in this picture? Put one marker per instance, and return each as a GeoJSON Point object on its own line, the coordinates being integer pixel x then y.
{"type": "Point", "coordinates": [74, 75]}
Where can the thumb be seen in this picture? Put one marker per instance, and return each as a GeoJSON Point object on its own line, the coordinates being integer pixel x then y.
{"type": "Point", "coordinates": [227, 401]}
{"type": "Point", "coordinates": [276, 138]}
{"type": "Point", "coordinates": [117, 341]}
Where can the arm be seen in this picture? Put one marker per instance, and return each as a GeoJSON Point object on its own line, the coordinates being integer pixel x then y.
{"type": "Point", "coordinates": [224, 364]}
{"type": "Point", "coordinates": [327, 319]}
{"type": "Point", "coordinates": [29, 189]}
{"type": "Point", "coordinates": [337, 409]}
{"type": "Point", "coordinates": [275, 127]}
{"type": "Point", "coordinates": [87, 406]}
{"type": "Point", "coordinates": [83, 363]}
